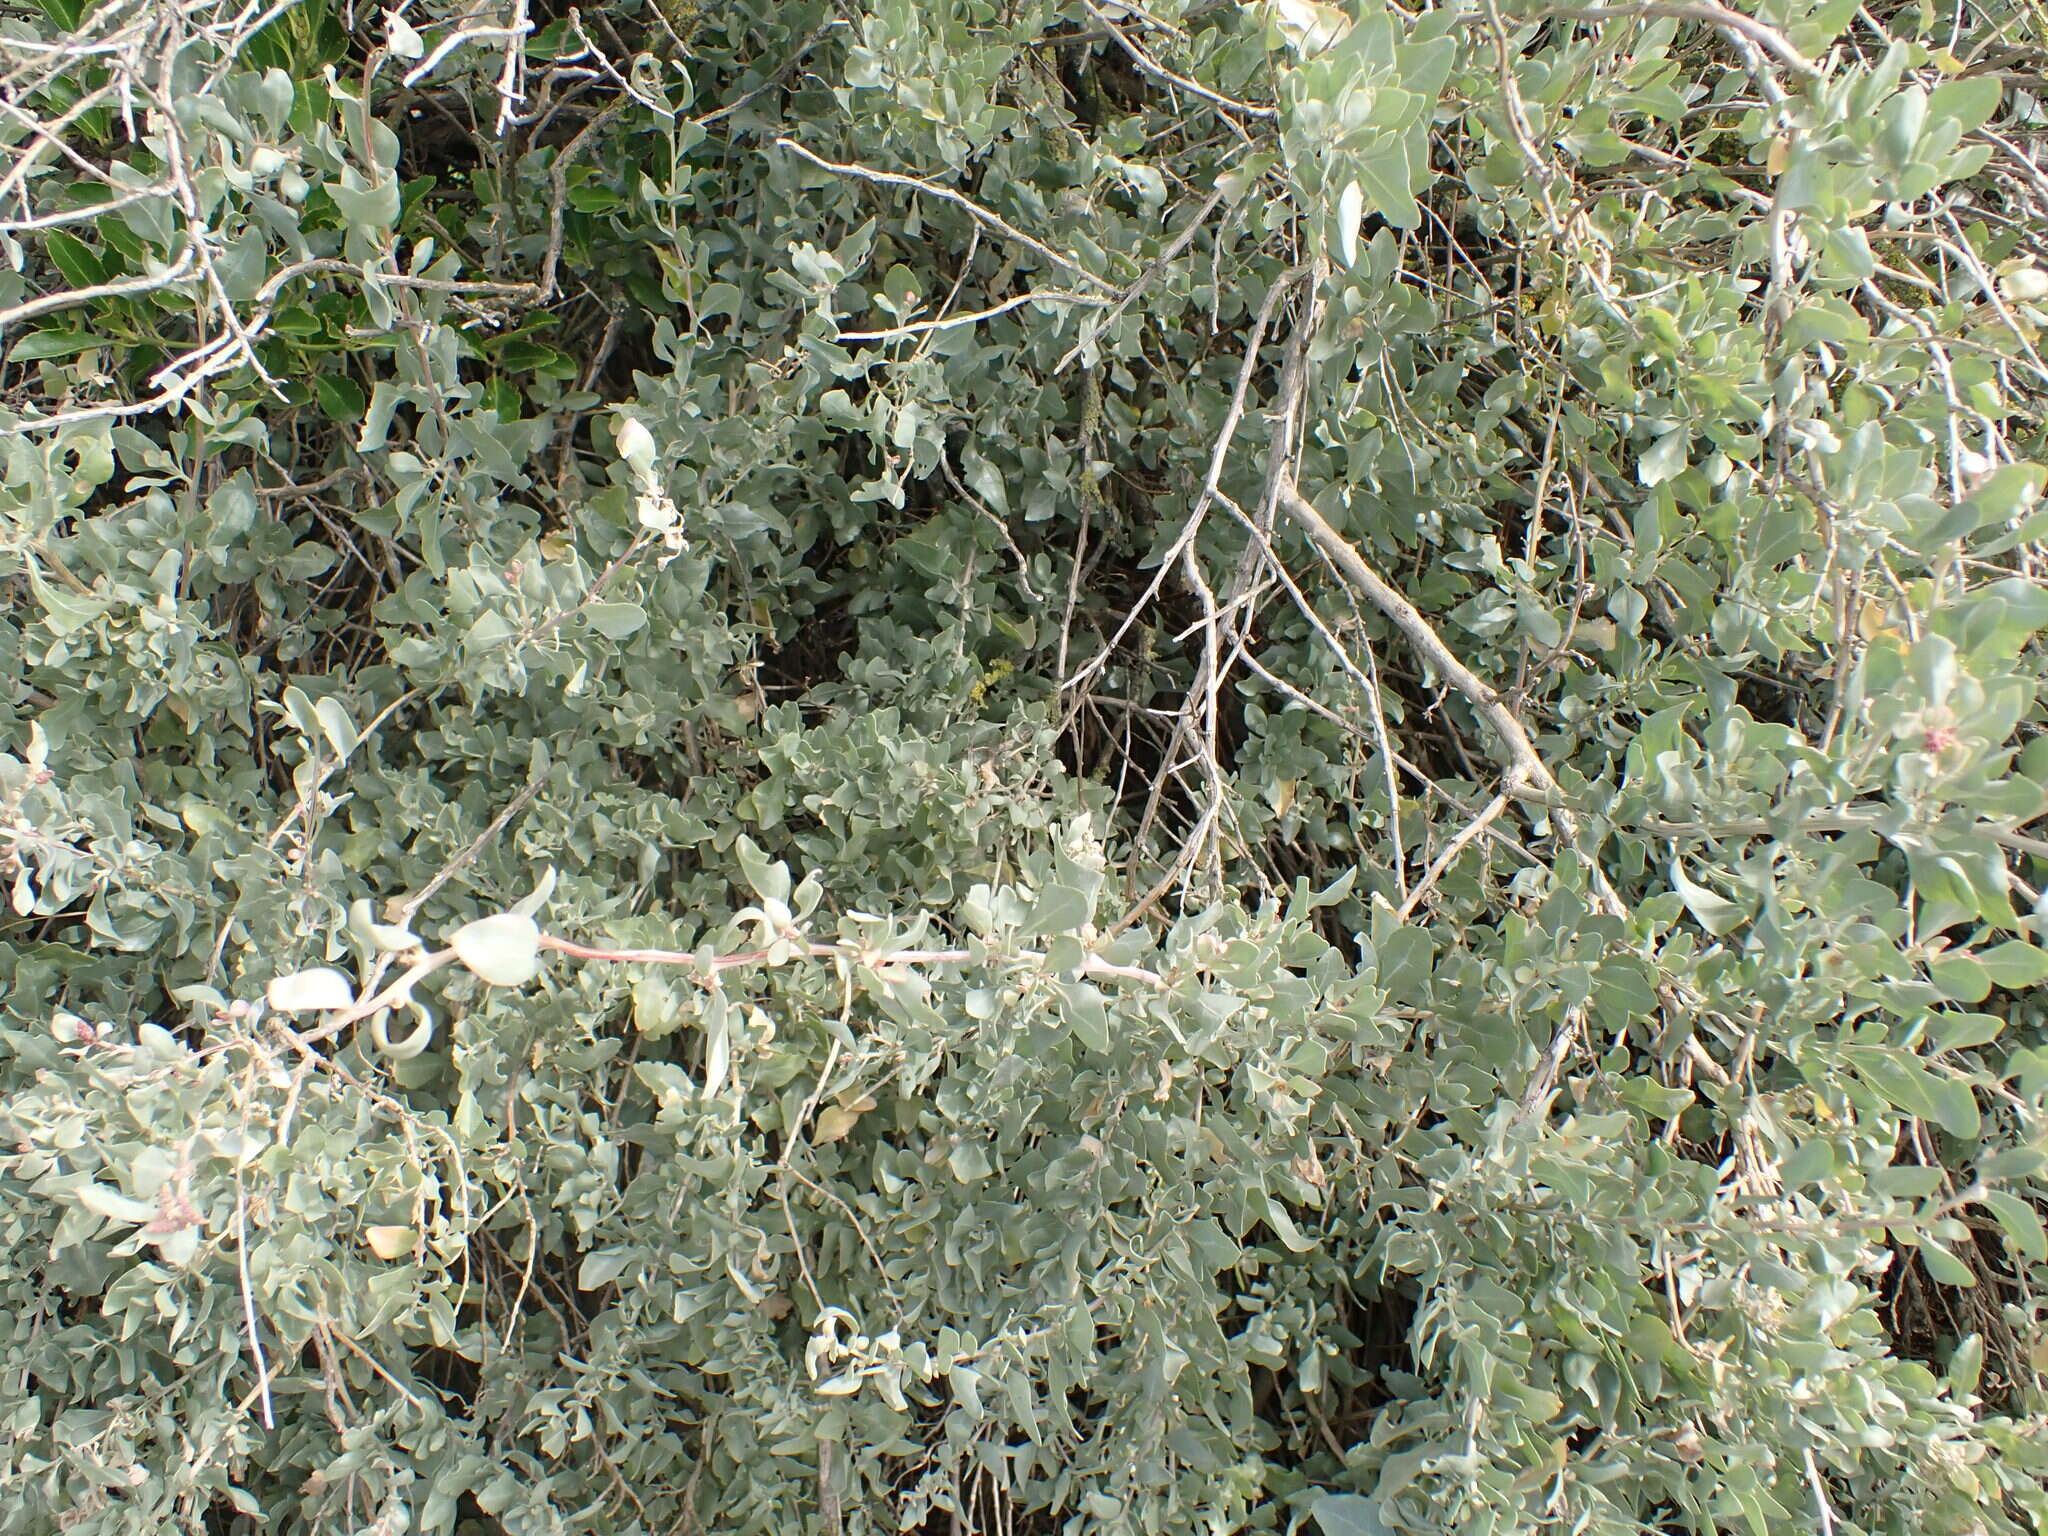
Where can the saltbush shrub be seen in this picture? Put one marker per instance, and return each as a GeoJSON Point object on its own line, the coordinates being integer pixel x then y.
{"type": "Point", "coordinates": [1012, 767]}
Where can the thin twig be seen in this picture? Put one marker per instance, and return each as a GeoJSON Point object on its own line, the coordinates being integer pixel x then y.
{"type": "Point", "coordinates": [781, 73]}
{"type": "Point", "coordinates": [464, 859]}
{"type": "Point", "coordinates": [1444, 860]}
{"type": "Point", "coordinates": [370, 1360]}
{"type": "Point", "coordinates": [455, 40]}
{"type": "Point", "coordinates": [1708, 12]}
{"type": "Point", "coordinates": [1217, 456]}
{"type": "Point", "coordinates": [994, 222]}
{"type": "Point", "coordinates": [880, 960]}
{"type": "Point", "coordinates": [1524, 762]}
{"type": "Point", "coordinates": [251, 1328]}
{"type": "Point", "coordinates": [51, 301]}
{"type": "Point", "coordinates": [1159, 264]}
{"type": "Point", "coordinates": [1822, 1511]}
{"type": "Point", "coordinates": [1544, 1078]}
{"type": "Point", "coordinates": [558, 192]}
{"type": "Point", "coordinates": [1859, 817]}
{"type": "Point", "coordinates": [975, 317]}
{"type": "Point", "coordinates": [1002, 528]}
{"type": "Point", "coordinates": [1152, 66]}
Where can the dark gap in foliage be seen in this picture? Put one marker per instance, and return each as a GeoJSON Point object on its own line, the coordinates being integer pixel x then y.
{"type": "Point", "coordinates": [436, 140]}
{"type": "Point", "coordinates": [1382, 1318]}
{"type": "Point", "coordinates": [813, 654]}
{"type": "Point", "coordinates": [1773, 700]}
{"type": "Point", "coordinates": [631, 354]}
{"type": "Point", "coordinates": [471, 1519]}
{"type": "Point", "coordinates": [1926, 1320]}
{"type": "Point", "coordinates": [1379, 1322]}
{"type": "Point", "coordinates": [453, 1375]}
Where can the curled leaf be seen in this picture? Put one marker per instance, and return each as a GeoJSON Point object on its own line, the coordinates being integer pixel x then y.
{"type": "Point", "coordinates": [312, 991]}
{"type": "Point", "coordinates": [531, 903]}
{"type": "Point", "coordinates": [503, 950]}
{"type": "Point", "coordinates": [833, 1124]}
{"type": "Point", "coordinates": [416, 1041]}
{"type": "Point", "coordinates": [387, 938]}
{"type": "Point", "coordinates": [635, 445]}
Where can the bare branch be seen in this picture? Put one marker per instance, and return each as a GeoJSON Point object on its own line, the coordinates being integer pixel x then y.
{"type": "Point", "coordinates": [1708, 12]}
{"type": "Point", "coordinates": [1524, 762]}
{"type": "Point", "coordinates": [993, 222]}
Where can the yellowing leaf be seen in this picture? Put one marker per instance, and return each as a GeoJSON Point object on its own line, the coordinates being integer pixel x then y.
{"type": "Point", "coordinates": [834, 1121]}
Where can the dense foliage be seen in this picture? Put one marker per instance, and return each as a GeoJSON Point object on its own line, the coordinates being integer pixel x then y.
{"type": "Point", "coordinates": [1018, 765]}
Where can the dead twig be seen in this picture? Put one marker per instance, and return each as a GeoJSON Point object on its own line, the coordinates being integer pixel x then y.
{"type": "Point", "coordinates": [995, 223]}
{"type": "Point", "coordinates": [1443, 861]}
{"type": "Point", "coordinates": [975, 317]}
{"type": "Point", "coordinates": [1526, 768]}
{"type": "Point", "coordinates": [1151, 66]}
{"type": "Point", "coordinates": [558, 191]}
{"type": "Point", "coordinates": [1709, 13]}
{"type": "Point", "coordinates": [1159, 264]}
{"type": "Point", "coordinates": [1217, 457]}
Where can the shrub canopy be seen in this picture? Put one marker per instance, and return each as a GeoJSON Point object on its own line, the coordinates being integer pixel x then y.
{"type": "Point", "coordinates": [1006, 767]}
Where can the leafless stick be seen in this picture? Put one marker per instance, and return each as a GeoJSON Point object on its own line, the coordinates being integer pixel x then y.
{"type": "Point", "coordinates": [1703, 1062]}
{"type": "Point", "coordinates": [1518, 117]}
{"type": "Point", "coordinates": [1430, 786]}
{"type": "Point", "coordinates": [828, 1490]}
{"type": "Point", "coordinates": [249, 1323]}
{"type": "Point", "coordinates": [1158, 265]}
{"type": "Point", "coordinates": [1368, 681]}
{"type": "Point", "coordinates": [1098, 35]}
{"type": "Point", "coordinates": [468, 855]}
{"type": "Point", "coordinates": [1217, 456]}
{"type": "Point", "coordinates": [1853, 818]}
{"type": "Point", "coordinates": [80, 214]}
{"type": "Point", "coordinates": [1708, 12]}
{"type": "Point", "coordinates": [994, 222]}
{"type": "Point", "coordinates": [512, 73]}
{"type": "Point", "coordinates": [49, 301]}
{"type": "Point", "coordinates": [370, 1360]}
{"type": "Point", "coordinates": [1821, 1510]}
{"type": "Point", "coordinates": [781, 73]}
{"type": "Point", "coordinates": [558, 192]}
{"type": "Point", "coordinates": [1527, 770]}
{"type": "Point", "coordinates": [269, 291]}
{"type": "Point", "coordinates": [1091, 964]}
{"type": "Point", "coordinates": [617, 563]}
{"type": "Point", "coordinates": [1544, 1078]}
{"type": "Point", "coordinates": [1002, 528]}
{"type": "Point", "coordinates": [1209, 683]}
{"type": "Point", "coordinates": [1152, 66]}
{"type": "Point", "coordinates": [1522, 756]}
{"type": "Point", "coordinates": [975, 317]}
{"type": "Point", "coordinates": [455, 40]}
{"type": "Point", "coordinates": [1074, 568]}
{"type": "Point", "coordinates": [1444, 860]}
